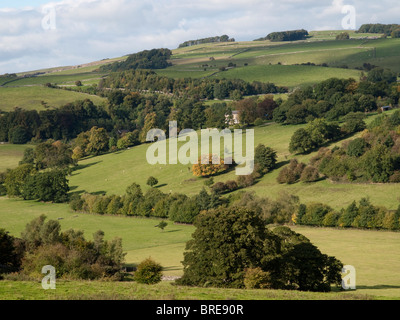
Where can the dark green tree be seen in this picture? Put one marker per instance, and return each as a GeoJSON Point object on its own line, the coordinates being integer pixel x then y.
{"type": "Point", "coordinates": [225, 242]}
{"type": "Point", "coordinates": [10, 255]}
{"type": "Point", "coordinates": [151, 181]}
{"type": "Point", "coordinates": [265, 159]}
{"type": "Point", "coordinates": [47, 186]}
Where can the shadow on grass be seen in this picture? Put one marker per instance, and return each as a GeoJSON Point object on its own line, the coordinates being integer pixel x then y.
{"type": "Point", "coordinates": [80, 192]}
{"type": "Point", "coordinates": [160, 185]}
{"type": "Point", "coordinates": [175, 230]}
{"type": "Point", "coordinates": [83, 166]}
{"type": "Point", "coordinates": [281, 164]}
{"type": "Point", "coordinates": [172, 268]}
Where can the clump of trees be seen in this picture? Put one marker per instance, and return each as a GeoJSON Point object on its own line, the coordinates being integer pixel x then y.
{"type": "Point", "coordinates": [147, 80]}
{"type": "Point", "coordinates": [334, 98]}
{"type": "Point", "coordinates": [223, 38]}
{"type": "Point", "coordinates": [43, 243]}
{"type": "Point", "coordinates": [363, 215]}
{"type": "Point", "coordinates": [373, 157]}
{"type": "Point", "coordinates": [265, 160]}
{"type": "Point", "coordinates": [147, 59]}
{"type": "Point", "coordinates": [153, 203]}
{"type": "Point", "coordinates": [386, 29]}
{"type": "Point", "coordinates": [252, 111]}
{"type": "Point", "coordinates": [209, 165]}
{"type": "Point", "coordinates": [292, 35]}
{"type": "Point", "coordinates": [317, 133]}
{"type": "Point", "coordinates": [343, 36]}
{"type": "Point", "coordinates": [41, 174]}
{"type": "Point", "coordinates": [231, 245]}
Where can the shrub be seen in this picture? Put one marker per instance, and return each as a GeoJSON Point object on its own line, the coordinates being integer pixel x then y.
{"type": "Point", "coordinates": [209, 182]}
{"type": "Point", "coordinates": [315, 214]}
{"type": "Point", "coordinates": [231, 185]}
{"type": "Point", "coordinates": [76, 202]}
{"type": "Point", "coordinates": [245, 181]}
{"type": "Point", "coordinates": [265, 158]}
{"type": "Point", "coordinates": [256, 278]}
{"type": "Point", "coordinates": [204, 169]}
{"type": "Point", "coordinates": [151, 181]}
{"type": "Point", "coordinates": [148, 272]}
{"type": "Point", "coordinates": [219, 187]}
{"type": "Point", "coordinates": [357, 147]}
{"type": "Point", "coordinates": [331, 219]}
{"type": "Point", "coordinates": [292, 173]}
{"type": "Point", "coordinates": [309, 174]}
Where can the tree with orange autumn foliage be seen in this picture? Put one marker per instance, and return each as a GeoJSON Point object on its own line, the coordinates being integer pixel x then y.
{"type": "Point", "coordinates": [208, 165]}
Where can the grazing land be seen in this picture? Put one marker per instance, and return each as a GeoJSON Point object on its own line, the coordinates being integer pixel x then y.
{"type": "Point", "coordinates": [374, 254]}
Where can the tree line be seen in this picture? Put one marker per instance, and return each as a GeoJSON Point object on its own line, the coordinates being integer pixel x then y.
{"type": "Point", "coordinates": [43, 243]}
{"type": "Point", "coordinates": [386, 29]}
{"type": "Point", "coordinates": [194, 88]}
{"type": "Point", "coordinates": [292, 35]}
{"type": "Point", "coordinates": [223, 38]}
{"type": "Point", "coordinates": [373, 157]}
{"type": "Point", "coordinates": [147, 59]}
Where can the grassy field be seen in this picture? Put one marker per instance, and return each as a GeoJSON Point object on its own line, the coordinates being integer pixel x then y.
{"type": "Point", "coordinates": [265, 61]}
{"type": "Point", "coordinates": [31, 97]}
{"type": "Point", "coordinates": [113, 173]}
{"type": "Point", "coordinates": [166, 290]}
{"type": "Point", "coordinates": [140, 238]}
{"type": "Point", "coordinates": [277, 61]}
{"type": "Point", "coordinates": [374, 254]}
{"type": "Point", "coordinates": [10, 155]}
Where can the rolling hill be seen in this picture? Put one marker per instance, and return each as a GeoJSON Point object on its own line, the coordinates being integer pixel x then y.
{"type": "Point", "coordinates": [290, 64]}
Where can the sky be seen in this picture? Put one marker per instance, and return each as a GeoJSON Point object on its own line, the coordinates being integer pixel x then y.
{"type": "Point", "coordinates": [38, 34]}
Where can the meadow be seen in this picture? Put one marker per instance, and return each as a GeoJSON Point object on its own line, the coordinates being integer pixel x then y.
{"type": "Point", "coordinates": [31, 97]}
{"type": "Point", "coordinates": [374, 254]}
{"type": "Point", "coordinates": [10, 155]}
{"type": "Point", "coordinates": [278, 62]}
{"type": "Point", "coordinates": [112, 173]}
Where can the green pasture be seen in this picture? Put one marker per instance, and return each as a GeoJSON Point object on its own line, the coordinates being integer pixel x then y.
{"type": "Point", "coordinates": [61, 78]}
{"type": "Point", "coordinates": [374, 254]}
{"type": "Point", "coordinates": [11, 155]}
{"type": "Point", "coordinates": [112, 173]}
{"type": "Point", "coordinates": [31, 97]}
{"type": "Point", "coordinates": [277, 61]}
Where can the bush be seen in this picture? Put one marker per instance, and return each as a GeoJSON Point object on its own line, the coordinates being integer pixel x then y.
{"type": "Point", "coordinates": [202, 169]}
{"type": "Point", "coordinates": [357, 147]}
{"type": "Point", "coordinates": [315, 214]}
{"type": "Point", "coordinates": [255, 278]}
{"type": "Point", "coordinates": [231, 185]}
{"type": "Point", "coordinates": [309, 174]}
{"type": "Point", "coordinates": [245, 181]}
{"type": "Point", "coordinates": [151, 181]}
{"type": "Point", "coordinates": [265, 158]}
{"type": "Point", "coordinates": [47, 186]}
{"type": "Point", "coordinates": [292, 173]}
{"type": "Point", "coordinates": [219, 187]}
{"type": "Point", "coordinates": [148, 272]}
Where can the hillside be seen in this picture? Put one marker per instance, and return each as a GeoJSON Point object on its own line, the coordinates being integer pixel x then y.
{"type": "Point", "coordinates": [289, 64]}
{"type": "Point", "coordinates": [112, 164]}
